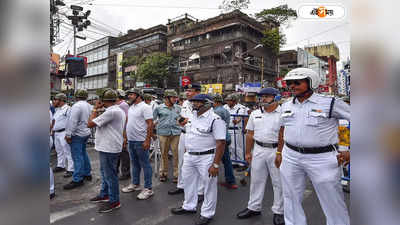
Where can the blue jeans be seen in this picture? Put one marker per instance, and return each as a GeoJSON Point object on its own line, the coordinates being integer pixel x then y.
{"type": "Point", "coordinates": [80, 157]}
{"type": "Point", "coordinates": [140, 159]}
{"type": "Point", "coordinates": [109, 176]}
{"type": "Point", "coordinates": [226, 160]}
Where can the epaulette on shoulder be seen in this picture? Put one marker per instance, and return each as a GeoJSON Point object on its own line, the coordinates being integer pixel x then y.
{"type": "Point", "coordinates": [323, 96]}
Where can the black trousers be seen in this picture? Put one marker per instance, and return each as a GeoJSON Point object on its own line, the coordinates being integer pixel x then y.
{"type": "Point", "coordinates": [125, 163]}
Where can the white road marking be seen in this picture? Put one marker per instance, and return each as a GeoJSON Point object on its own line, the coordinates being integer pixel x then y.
{"type": "Point", "coordinates": [56, 216]}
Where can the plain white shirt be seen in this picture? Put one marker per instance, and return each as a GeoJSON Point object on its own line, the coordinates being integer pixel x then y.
{"type": "Point", "coordinates": [203, 133]}
{"type": "Point", "coordinates": [136, 129]}
{"type": "Point", "coordinates": [109, 131]}
{"type": "Point", "coordinates": [265, 125]}
{"type": "Point", "coordinates": [237, 109]}
{"type": "Point", "coordinates": [77, 123]}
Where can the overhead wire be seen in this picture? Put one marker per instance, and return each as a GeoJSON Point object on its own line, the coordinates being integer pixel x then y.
{"type": "Point", "coordinates": [316, 34]}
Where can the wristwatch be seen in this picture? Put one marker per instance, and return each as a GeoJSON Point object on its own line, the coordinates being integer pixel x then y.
{"type": "Point", "coordinates": [216, 166]}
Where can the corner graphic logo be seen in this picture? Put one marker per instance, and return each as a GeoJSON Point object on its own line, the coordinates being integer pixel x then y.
{"type": "Point", "coordinates": [322, 12]}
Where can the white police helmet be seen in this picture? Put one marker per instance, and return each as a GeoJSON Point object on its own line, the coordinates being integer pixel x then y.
{"type": "Point", "coordinates": [304, 73]}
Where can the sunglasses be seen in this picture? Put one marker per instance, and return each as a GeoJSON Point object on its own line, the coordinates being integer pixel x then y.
{"type": "Point", "coordinates": [295, 82]}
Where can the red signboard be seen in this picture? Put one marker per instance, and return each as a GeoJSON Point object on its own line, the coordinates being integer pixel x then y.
{"type": "Point", "coordinates": [185, 81]}
{"type": "Point", "coordinates": [280, 82]}
{"type": "Point", "coordinates": [323, 88]}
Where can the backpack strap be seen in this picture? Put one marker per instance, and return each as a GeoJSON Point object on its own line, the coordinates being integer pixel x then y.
{"type": "Point", "coordinates": [331, 108]}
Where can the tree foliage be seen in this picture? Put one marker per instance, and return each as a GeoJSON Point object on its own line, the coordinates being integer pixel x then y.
{"type": "Point", "coordinates": [273, 39]}
{"type": "Point", "coordinates": [231, 5]}
{"type": "Point", "coordinates": [153, 69]}
{"type": "Point", "coordinates": [280, 15]}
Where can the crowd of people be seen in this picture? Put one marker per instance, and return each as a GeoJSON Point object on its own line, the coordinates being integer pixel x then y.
{"type": "Point", "coordinates": [285, 141]}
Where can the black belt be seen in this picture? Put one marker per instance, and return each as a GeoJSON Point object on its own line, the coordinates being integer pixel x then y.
{"type": "Point", "coordinates": [233, 128]}
{"type": "Point", "coordinates": [266, 145]}
{"type": "Point", "coordinates": [211, 151]}
{"type": "Point", "coordinates": [61, 130]}
{"type": "Point", "coordinates": [314, 150]}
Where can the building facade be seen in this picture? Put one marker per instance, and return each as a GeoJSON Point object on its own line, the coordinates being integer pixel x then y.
{"type": "Point", "coordinates": [97, 54]}
{"type": "Point", "coordinates": [221, 49]}
{"type": "Point", "coordinates": [140, 42]}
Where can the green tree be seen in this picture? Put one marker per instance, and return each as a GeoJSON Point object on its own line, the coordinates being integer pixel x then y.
{"type": "Point", "coordinates": [281, 15]}
{"type": "Point", "coordinates": [274, 38]}
{"type": "Point", "coordinates": [231, 5]}
{"type": "Point", "coordinates": [154, 69]}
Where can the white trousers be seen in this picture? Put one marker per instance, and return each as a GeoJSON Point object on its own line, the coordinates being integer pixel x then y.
{"type": "Point", "coordinates": [51, 181]}
{"type": "Point", "coordinates": [181, 152]}
{"type": "Point", "coordinates": [63, 150]}
{"type": "Point", "coordinates": [236, 143]}
{"type": "Point", "coordinates": [324, 173]}
{"type": "Point", "coordinates": [195, 171]}
{"type": "Point", "coordinates": [262, 164]}
{"type": "Point", "coordinates": [51, 171]}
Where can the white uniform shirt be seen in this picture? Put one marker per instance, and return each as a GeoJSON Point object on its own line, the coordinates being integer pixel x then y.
{"type": "Point", "coordinates": [61, 117]}
{"type": "Point", "coordinates": [265, 125]}
{"type": "Point", "coordinates": [237, 109]}
{"type": "Point", "coordinates": [187, 112]}
{"type": "Point", "coordinates": [110, 128]}
{"type": "Point", "coordinates": [79, 116]}
{"type": "Point", "coordinates": [307, 124]}
{"type": "Point", "coordinates": [203, 133]}
{"type": "Point", "coordinates": [136, 129]}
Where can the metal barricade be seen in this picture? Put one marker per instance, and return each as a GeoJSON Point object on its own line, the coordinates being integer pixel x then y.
{"type": "Point", "coordinates": [235, 140]}
{"type": "Point", "coordinates": [156, 153]}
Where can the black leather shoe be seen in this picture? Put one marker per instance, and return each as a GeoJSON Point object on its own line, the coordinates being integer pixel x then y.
{"type": "Point", "coordinates": [203, 220]}
{"type": "Point", "coordinates": [58, 169]}
{"type": "Point", "coordinates": [73, 185]}
{"type": "Point", "coordinates": [88, 178]}
{"type": "Point", "coordinates": [247, 213]}
{"type": "Point", "coordinates": [52, 195]}
{"type": "Point", "coordinates": [176, 191]}
{"type": "Point", "coordinates": [279, 219]}
{"type": "Point", "coordinates": [200, 198]}
{"type": "Point", "coordinates": [181, 211]}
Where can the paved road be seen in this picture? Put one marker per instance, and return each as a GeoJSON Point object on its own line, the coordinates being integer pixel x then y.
{"type": "Point", "coordinates": [73, 207]}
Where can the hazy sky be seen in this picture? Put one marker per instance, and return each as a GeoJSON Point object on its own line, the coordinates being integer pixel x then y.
{"type": "Point", "coordinates": [114, 16]}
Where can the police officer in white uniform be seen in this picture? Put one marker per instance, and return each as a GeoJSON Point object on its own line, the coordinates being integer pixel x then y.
{"type": "Point", "coordinates": [310, 125]}
{"type": "Point", "coordinates": [63, 149]}
{"type": "Point", "coordinates": [263, 128]}
{"type": "Point", "coordinates": [204, 144]}
{"type": "Point", "coordinates": [236, 128]}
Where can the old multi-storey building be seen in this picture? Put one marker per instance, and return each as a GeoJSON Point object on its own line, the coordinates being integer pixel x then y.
{"type": "Point", "coordinates": [138, 42]}
{"type": "Point", "coordinates": [223, 49]}
{"type": "Point", "coordinates": [97, 53]}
